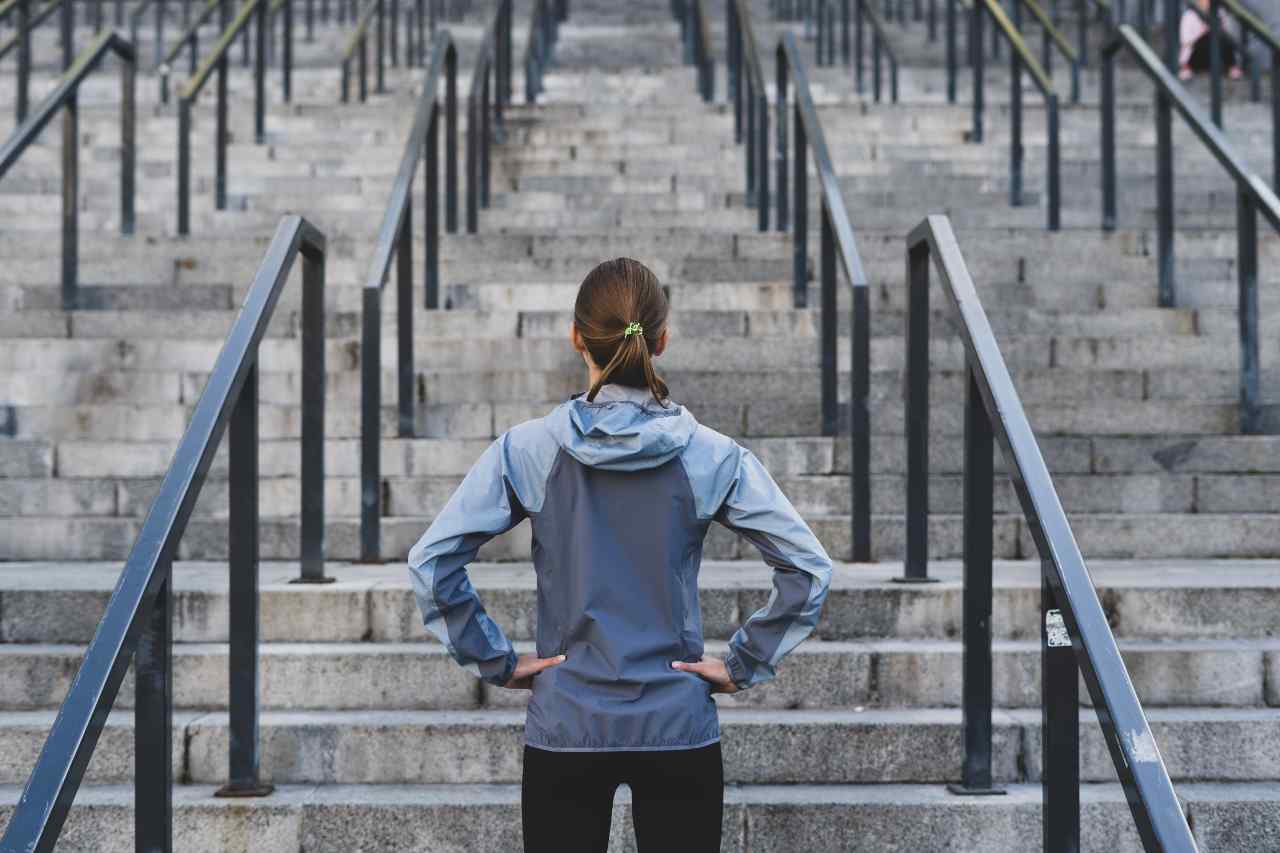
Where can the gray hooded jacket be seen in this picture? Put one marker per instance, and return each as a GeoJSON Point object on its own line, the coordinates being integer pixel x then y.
{"type": "Point", "coordinates": [620, 493]}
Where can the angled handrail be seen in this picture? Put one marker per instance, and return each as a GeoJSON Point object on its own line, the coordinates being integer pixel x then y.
{"type": "Point", "coordinates": [544, 32]}
{"type": "Point", "coordinates": [217, 61]}
{"type": "Point", "coordinates": [745, 75]}
{"type": "Point", "coordinates": [487, 98]}
{"type": "Point", "coordinates": [395, 237]}
{"type": "Point", "coordinates": [1051, 38]}
{"type": "Point", "coordinates": [838, 246]}
{"type": "Point", "coordinates": [66, 98]}
{"type": "Point", "coordinates": [1249, 24]}
{"type": "Point", "coordinates": [190, 38]}
{"type": "Point", "coordinates": [358, 49]}
{"type": "Point", "coordinates": [1253, 196]}
{"type": "Point", "coordinates": [1075, 635]}
{"type": "Point", "coordinates": [138, 622]}
{"type": "Point", "coordinates": [1019, 57]}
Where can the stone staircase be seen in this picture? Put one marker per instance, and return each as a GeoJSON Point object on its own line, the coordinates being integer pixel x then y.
{"type": "Point", "coordinates": [374, 737]}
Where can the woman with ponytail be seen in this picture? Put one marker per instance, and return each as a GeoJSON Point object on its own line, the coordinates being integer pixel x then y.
{"type": "Point", "coordinates": [620, 485]}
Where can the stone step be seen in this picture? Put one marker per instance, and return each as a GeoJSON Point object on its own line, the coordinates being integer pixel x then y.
{"type": "Point", "coordinates": [775, 818]}
{"type": "Point", "coordinates": [1150, 599]}
{"type": "Point", "coordinates": [760, 746]}
{"type": "Point", "coordinates": [818, 674]}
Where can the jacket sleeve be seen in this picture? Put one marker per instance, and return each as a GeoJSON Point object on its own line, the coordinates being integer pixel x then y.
{"type": "Point", "coordinates": [756, 509]}
{"type": "Point", "coordinates": [483, 506]}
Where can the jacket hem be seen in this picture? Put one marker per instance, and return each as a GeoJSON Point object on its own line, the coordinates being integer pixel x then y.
{"type": "Point", "coordinates": [641, 748]}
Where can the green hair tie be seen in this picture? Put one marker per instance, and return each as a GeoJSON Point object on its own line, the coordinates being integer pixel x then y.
{"type": "Point", "coordinates": [633, 329]}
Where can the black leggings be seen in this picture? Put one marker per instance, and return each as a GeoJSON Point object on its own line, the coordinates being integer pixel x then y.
{"type": "Point", "coordinates": [677, 799]}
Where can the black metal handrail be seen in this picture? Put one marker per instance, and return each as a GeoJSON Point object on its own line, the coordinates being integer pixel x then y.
{"type": "Point", "coordinates": [879, 44]}
{"type": "Point", "coordinates": [190, 39]}
{"type": "Point", "coordinates": [217, 60]}
{"type": "Point", "coordinates": [486, 103]}
{"type": "Point", "coordinates": [1075, 637]}
{"type": "Point", "coordinates": [745, 75]}
{"type": "Point", "coordinates": [1019, 56]}
{"type": "Point", "coordinates": [1249, 23]}
{"type": "Point", "coordinates": [838, 245]}
{"type": "Point", "coordinates": [26, 24]}
{"type": "Point", "coordinates": [544, 32]}
{"type": "Point", "coordinates": [395, 238]}
{"type": "Point", "coordinates": [1253, 196]}
{"type": "Point", "coordinates": [1051, 38]}
{"type": "Point", "coordinates": [695, 36]}
{"type": "Point", "coordinates": [358, 49]}
{"type": "Point", "coordinates": [65, 98]}
{"type": "Point", "coordinates": [138, 622]}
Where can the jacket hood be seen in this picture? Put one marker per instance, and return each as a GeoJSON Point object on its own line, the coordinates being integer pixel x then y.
{"type": "Point", "coordinates": [624, 429]}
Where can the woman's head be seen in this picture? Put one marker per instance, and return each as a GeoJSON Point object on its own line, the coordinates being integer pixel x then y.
{"type": "Point", "coordinates": [620, 325]}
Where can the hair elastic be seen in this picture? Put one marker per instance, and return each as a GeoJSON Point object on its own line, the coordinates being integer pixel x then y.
{"type": "Point", "coordinates": [633, 329]}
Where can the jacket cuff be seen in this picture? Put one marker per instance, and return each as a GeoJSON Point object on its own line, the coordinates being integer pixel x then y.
{"type": "Point", "coordinates": [508, 669]}
{"type": "Point", "coordinates": [737, 672]}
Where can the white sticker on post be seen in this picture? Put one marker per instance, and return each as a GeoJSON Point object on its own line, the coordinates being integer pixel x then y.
{"type": "Point", "coordinates": [1056, 630]}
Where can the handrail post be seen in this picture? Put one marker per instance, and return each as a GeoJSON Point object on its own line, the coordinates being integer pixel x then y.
{"type": "Point", "coordinates": [220, 179]}
{"type": "Point", "coordinates": [800, 230]}
{"type": "Point", "coordinates": [243, 554]}
{"type": "Point", "coordinates": [829, 320]}
{"type": "Point", "coordinates": [184, 166]}
{"type": "Point", "coordinates": [975, 49]}
{"type": "Point", "coordinates": [1108, 140]}
{"type": "Point", "coordinates": [875, 63]}
{"type": "Point", "coordinates": [128, 148]}
{"type": "Point", "coordinates": [404, 324]}
{"type": "Point", "coordinates": [860, 424]}
{"type": "Point", "coordinates": [739, 90]}
{"type": "Point", "coordinates": [313, 382]}
{"type": "Point", "coordinates": [1015, 127]}
{"type": "Point", "coordinates": [487, 95]}
{"type": "Point", "coordinates": [952, 52]}
{"type": "Point", "coordinates": [1247, 312]}
{"type": "Point", "coordinates": [979, 444]}
{"type": "Point", "coordinates": [933, 21]}
{"type": "Point", "coordinates": [71, 201]}
{"type": "Point", "coordinates": [762, 165]}
{"type": "Point", "coordinates": [431, 212]}
{"type": "Point", "coordinates": [1275, 121]}
{"type": "Point", "coordinates": [730, 48]}
{"type": "Point", "coordinates": [153, 724]}
{"type": "Point", "coordinates": [363, 66]}
{"type": "Point", "coordinates": [750, 163]}
{"type": "Point", "coordinates": [780, 115]}
{"type": "Point", "coordinates": [1215, 62]}
{"type": "Point", "coordinates": [371, 425]}
{"type": "Point", "coordinates": [260, 76]}
{"type": "Point", "coordinates": [916, 416]}
{"type": "Point", "coordinates": [1082, 39]}
{"type": "Point", "coordinates": [1059, 727]}
{"type": "Point", "coordinates": [844, 32]}
{"type": "Point", "coordinates": [1054, 176]}
{"type": "Point", "coordinates": [473, 165]}
{"type": "Point", "coordinates": [858, 41]}
{"type": "Point", "coordinates": [1164, 200]}
{"type": "Point", "coordinates": [380, 85]}
{"type": "Point", "coordinates": [451, 143]}
{"type": "Point", "coordinates": [24, 59]}
{"type": "Point", "coordinates": [287, 58]}
{"type": "Point", "coordinates": [394, 35]}
{"type": "Point", "coordinates": [68, 34]}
